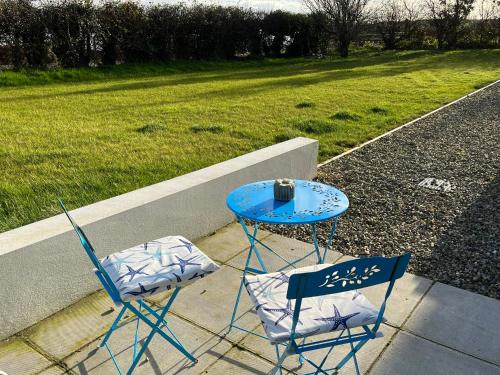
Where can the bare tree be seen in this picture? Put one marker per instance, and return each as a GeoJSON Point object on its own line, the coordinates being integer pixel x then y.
{"type": "Point", "coordinates": [447, 16]}
{"type": "Point", "coordinates": [488, 12]}
{"type": "Point", "coordinates": [345, 17]}
{"type": "Point", "coordinates": [389, 19]}
{"type": "Point", "coordinates": [412, 25]}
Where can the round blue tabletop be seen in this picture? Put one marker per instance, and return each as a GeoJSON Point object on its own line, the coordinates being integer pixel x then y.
{"type": "Point", "coordinates": [313, 202]}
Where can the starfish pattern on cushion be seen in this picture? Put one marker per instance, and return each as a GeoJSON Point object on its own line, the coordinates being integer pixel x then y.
{"type": "Point", "coordinates": [183, 263]}
{"type": "Point", "coordinates": [201, 275]}
{"type": "Point", "coordinates": [246, 283]}
{"type": "Point", "coordinates": [260, 305]}
{"type": "Point", "coordinates": [117, 262]}
{"type": "Point", "coordinates": [147, 244]}
{"type": "Point", "coordinates": [142, 291]}
{"type": "Point", "coordinates": [157, 254]}
{"type": "Point", "coordinates": [285, 311]}
{"type": "Point", "coordinates": [156, 268]}
{"type": "Point", "coordinates": [186, 244]}
{"type": "Point", "coordinates": [131, 272]}
{"type": "Point", "coordinates": [282, 277]}
{"type": "Point", "coordinates": [337, 319]}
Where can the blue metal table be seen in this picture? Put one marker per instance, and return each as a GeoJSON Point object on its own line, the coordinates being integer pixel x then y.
{"type": "Point", "coordinates": [313, 203]}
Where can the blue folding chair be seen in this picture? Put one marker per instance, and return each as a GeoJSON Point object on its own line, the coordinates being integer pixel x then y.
{"type": "Point", "coordinates": [142, 271]}
{"type": "Point", "coordinates": [319, 299]}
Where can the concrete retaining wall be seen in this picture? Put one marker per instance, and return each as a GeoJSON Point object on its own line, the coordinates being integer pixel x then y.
{"type": "Point", "coordinates": [44, 269]}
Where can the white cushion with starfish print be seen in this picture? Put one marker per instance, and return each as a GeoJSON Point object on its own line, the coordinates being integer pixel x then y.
{"type": "Point", "coordinates": [333, 312]}
{"type": "Point", "coordinates": [156, 266]}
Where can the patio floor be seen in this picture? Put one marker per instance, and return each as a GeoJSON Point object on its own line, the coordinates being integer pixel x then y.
{"type": "Point", "coordinates": [432, 328]}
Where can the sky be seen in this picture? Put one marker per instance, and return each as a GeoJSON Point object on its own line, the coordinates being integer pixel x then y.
{"type": "Point", "coordinates": [290, 5]}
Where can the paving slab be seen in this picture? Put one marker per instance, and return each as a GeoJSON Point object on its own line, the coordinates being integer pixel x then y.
{"type": "Point", "coordinates": [54, 370]}
{"type": "Point", "coordinates": [461, 320]}
{"type": "Point", "coordinates": [366, 356]}
{"type": "Point", "coordinates": [406, 294]}
{"type": "Point", "coordinates": [239, 361]}
{"type": "Point", "coordinates": [162, 358]}
{"type": "Point", "coordinates": [411, 355]}
{"type": "Point", "coordinates": [70, 329]}
{"type": "Point", "coordinates": [288, 248]}
{"type": "Point", "coordinates": [160, 299]}
{"type": "Point", "coordinates": [16, 357]}
{"type": "Point", "coordinates": [209, 303]}
{"type": "Point", "coordinates": [226, 242]}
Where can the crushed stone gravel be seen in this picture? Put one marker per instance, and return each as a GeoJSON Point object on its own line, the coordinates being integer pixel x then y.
{"type": "Point", "coordinates": [454, 236]}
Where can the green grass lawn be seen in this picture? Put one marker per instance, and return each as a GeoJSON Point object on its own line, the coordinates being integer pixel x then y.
{"type": "Point", "coordinates": [89, 134]}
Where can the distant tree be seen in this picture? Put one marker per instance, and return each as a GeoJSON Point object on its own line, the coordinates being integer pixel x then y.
{"type": "Point", "coordinates": [399, 24]}
{"type": "Point", "coordinates": [163, 28]}
{"type": "Point", "coordinates": [345, 17]}
{"type": "Point", "coordinates": [299, 43]}
{"type": "Point", "coordinates": [252, 28]}
{"type": "Point", "coordinates": [71, 26]}
{"type": "Point", "coordinates": [108, 33]}
{"type": "Point", "coordinates": [389, 19]}
{"type": "Point", "coordinates": [488, 25]}
{"type": "Point", "coordinates": [413, 25]}
{"type": "Point", "coordinates": [23, 33]}
{"type": "Point", "coordinates": [447, 17]}
{"type": "Point", "coordinates": [122, 32]}
{"type": "Point", "coordinates": [277, 27]}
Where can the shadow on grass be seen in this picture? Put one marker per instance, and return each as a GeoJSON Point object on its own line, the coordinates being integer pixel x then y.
{"type": "Point", "coordinates": [288, 73]}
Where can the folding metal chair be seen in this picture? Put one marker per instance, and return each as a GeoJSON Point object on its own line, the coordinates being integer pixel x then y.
{"type": "Point", "coordinates": [142, 271]}
{"type": "Point", "coordinates": [314, 300]}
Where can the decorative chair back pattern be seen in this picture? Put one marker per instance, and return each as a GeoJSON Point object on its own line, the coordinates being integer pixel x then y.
{"type": "Point", "coordinates": [100, 271]}
{"type": "Point", "coordinates": [342, 277]}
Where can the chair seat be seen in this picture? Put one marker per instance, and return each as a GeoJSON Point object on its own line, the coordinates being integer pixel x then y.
{"type": "Point", "coordinates": [318, 315]}
{"type": "Point", "coordinates": [156, 266]}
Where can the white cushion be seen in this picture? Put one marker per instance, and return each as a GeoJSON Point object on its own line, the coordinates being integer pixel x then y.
{"type": "Point", "coordinates": [332, 312]}
{"type": "Point", "coordinates": [156, 266]}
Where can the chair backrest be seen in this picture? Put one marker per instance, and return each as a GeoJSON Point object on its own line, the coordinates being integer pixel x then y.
{"type": "Point", "coordinates": [82, 237]}
{"type": "Point", "coordinates": [342, 277]}
{"type": "Point", "coordinates": [101, 272]}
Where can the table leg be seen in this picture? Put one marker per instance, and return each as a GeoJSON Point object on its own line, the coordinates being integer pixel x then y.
{"type": "Point", "coordinates": [251, 239]}
{"type": "Point", "coordinates": [315, 242]}
{"type": "Point", "coordinates": [330, 238]}
{"type": "Point", "coordinates": [252, 249]}
{"type": "Point", "coordinates": [333, 230]}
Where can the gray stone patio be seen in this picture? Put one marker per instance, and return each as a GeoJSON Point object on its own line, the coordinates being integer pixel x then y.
{"type": "Point", "coordinates": [432, 328]}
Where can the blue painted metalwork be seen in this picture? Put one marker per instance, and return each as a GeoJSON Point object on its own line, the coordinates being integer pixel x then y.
{"type": "Point", "coordinates": [313, 203]}
{"type": "Point", "coordinates": [345, 276]}
{"type": "Point", "coordinates": [156, 326]}
{"type": "Point", "coordinates": [342, 277]}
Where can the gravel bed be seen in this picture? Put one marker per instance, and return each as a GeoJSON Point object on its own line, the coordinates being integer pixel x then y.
{"type": "Point", "coordinates": [454, 236]}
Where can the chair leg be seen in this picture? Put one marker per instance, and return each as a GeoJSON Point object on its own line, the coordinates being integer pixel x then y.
{"type": "Point", "coordinates": [136, 338]}
{"type": "Point", "coordinates": [354, 350]}
{"type": "Point", "coordinates": [154, 330]}
{"type": "Point", "coordinates": [113, 327]}
{"type": "Point", "coordinates": [320, 367]}
{"type": "Point", "coordinates": [301, 356]}
{"type": "Point", "coordinates": [164, 322]}
{"type": "Point", "coordinates": [280, 359]}
{"type": "Point", "coordinates": [355, 359]}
